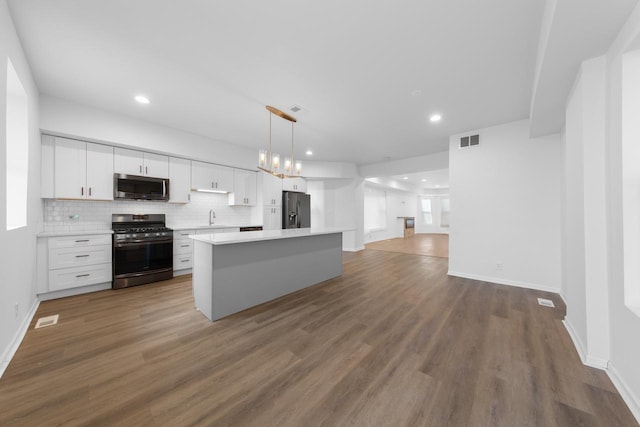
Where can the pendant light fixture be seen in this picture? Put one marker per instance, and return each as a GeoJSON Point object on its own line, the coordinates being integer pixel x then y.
{"type": "Point", "coordinates": [269, 161]}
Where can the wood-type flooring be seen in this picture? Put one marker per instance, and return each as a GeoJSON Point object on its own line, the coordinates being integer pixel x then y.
{"type": "Point", "coordinates": [420, 244]}
{"type": "Point", "coordinates": [393, 342]}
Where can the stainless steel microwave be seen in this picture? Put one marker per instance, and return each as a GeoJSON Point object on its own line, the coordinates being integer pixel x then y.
{"type": "Point", "coordinates": [133, 187]}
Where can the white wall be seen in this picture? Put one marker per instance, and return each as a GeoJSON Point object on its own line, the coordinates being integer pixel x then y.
{"type": "Point", "coordinates": [339, 203]}
{"type": "Point", "coordinates": [505, 208]}
{"type": "Point", "coordinates": [65, 118]}
{"type": "Point", "coordinates": [428, 162]}
{"type": "Point", "coordinates": [436, 214]}
{"type": "Point", "coordinates": [585, 286]}
{"type": "Point", "coordinates": [399, 203]}
{"type": "Point", "coordinates": [17, 247]}
{"type": "Point", "coordinates": [624, 368]}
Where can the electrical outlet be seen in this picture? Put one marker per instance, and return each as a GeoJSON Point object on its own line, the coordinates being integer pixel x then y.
{"type": "Point", "coordinates": [16, 310]}
{"type": "Point", "coordinates": [499, 266]}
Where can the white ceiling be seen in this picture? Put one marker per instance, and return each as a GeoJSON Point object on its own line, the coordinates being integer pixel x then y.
{"type": "Point", "coordinates": [425, 180]}
{"type": "Point", "coordinates": [210, 67]}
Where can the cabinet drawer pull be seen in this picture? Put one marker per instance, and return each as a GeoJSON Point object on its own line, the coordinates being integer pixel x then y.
{"type": "Point", "coordinates": [184, 246]}
{"type": "Point", "coordinates": [81, 241]}
{"type": "Point", "coordinates": [83, 275]}
{"type": "Point", "coordinates": [184, 260]}
{"type": "Point", "coordinates": [81, 256]}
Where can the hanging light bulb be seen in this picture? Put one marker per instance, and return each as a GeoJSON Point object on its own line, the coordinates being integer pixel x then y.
{"type": "Point", "coordinates": [275, 162]}
{"type": "Point", "coordinates": [287, 164]}
{"type": "Point", "coordinates": [298, 167]}
{"type": "Point", "coordinates": [262, 158]}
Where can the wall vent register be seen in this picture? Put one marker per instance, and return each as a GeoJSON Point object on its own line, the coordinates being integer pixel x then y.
{"type": "Point", "coordinates": [469, 141]}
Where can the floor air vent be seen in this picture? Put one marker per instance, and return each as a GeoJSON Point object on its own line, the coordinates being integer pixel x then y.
{"type": "Point", "coordinates": [469, 141]}
{"type": "Point", "coordinates": [546, 302]}
{"type": "Point", "coordinates": [47, 321]}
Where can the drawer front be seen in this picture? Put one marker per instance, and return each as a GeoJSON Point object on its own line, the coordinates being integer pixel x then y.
{"type": "Point", "coordinates": [182, 235]}
{"type": "Point", "coordinates": [181, 262]}
{"type": "Point", "coordinates": [75, 257]}
{"type": "Point", "coordinates": [76, 277]}
{"type": "Point", "coordinates": [183, 247]}
{"type": "Point", "coordinates": [79, 241]}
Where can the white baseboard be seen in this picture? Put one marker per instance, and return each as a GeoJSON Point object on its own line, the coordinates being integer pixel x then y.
{"type": "Point", "coordinates": [360, 248]}
{"type": "Point", "coordinates": [577, 342]}
{"type": "Point", "coordinates": [628, 396]}
{"type": "Point", "coordinates": [501, 281]}
{"type": "Point", "coordinates": [10, 351]}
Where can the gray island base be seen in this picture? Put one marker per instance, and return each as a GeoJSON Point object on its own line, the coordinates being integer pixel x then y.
{"type": "Point", "coordinates": [235, 271]}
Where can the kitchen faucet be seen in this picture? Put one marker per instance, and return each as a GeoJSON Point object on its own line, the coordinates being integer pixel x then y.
{"type": "Point", "coordinates": [212, 216]}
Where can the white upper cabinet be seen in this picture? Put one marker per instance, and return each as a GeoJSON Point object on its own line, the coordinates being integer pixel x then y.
{"type": "Point", "coordinates": [244, 188]}
{"type": "Point", "coordinates": [179, 180]}
{"type": "Point", "coordinates": [99, 171]}
{"type": "Point", "coordinates": [82, 170]}
{"type": "Point", "coordinates": [271, 190]}
{"type": "Point", "coordinates": [133, 162]}
{"type": "Point", "coordinates": [294, 184]}
{"type": "Point", "coordinates": [210, 177]}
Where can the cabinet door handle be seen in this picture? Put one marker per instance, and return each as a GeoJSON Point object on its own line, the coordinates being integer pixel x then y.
{"type": "Point", "coordinates": [81, 256]}
{"type": "Point", "coordinates": [82, 191]}
{"type": "Point", "coordinates": [140, 169]}
{"type": "Point", "coordinates": [81, 241]}
{"type": "Point", "coordinates": [146, 170]}
{"type": "Point", "coordinates": [89, 190]}
{"type": "Point", "coordinates": [83, 275]}
{"type": "Point", "coordinates": [212, 185]}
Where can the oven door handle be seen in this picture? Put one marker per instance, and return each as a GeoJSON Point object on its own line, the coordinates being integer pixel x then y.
{"type": "Point", "coordinates": [142, 243]}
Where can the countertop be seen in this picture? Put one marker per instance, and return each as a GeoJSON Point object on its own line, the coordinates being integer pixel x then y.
{"type": "Point", "coordinates": [257, 236]}
{"type": "Point", "coordinates": [73, 233]}
{"type": "Point", "coordinates": [108, 231]}
{"type": "Point", "coordinates": [204, 227]}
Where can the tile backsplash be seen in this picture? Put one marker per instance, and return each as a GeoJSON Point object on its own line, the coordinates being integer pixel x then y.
{"type": "Point", "coordinates": [81, 215]}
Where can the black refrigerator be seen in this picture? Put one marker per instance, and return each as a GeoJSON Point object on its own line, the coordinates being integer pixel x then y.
{"type": "Point", "coordinates": [296, 210]}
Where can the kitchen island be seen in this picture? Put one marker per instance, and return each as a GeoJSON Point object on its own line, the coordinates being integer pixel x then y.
{"type": "Point", "coordinates": [235, 271]}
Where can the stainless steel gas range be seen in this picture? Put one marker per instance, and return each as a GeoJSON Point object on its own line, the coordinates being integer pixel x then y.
{"type": "Point", "coordinates": [142, 249]}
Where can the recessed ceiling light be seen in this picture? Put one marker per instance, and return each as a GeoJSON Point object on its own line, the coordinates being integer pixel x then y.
{"type": "Point", "coordinates": [142, 99]}
{"type": "Point", "coordinates": [309, 153]}
{"type": "Point", "coordinates": [424, 180]}
{"type": "Point", "coordinates": [435, 118]}
{"type": "Point", "coordinates": [405, 177]}
{"type": "Point", "coordinates": [437, 186]}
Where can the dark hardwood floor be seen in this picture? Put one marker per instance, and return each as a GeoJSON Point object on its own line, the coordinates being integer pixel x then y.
{"type": "Point", "coordinates": [394, 342]}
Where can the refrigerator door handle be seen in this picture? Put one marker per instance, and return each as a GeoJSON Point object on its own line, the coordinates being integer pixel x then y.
{"type": "Point", "coordinates": [298, 216]}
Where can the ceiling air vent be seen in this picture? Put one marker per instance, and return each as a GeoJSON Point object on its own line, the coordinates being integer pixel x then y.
{"type": "Point", "coordinates": [469, 141]}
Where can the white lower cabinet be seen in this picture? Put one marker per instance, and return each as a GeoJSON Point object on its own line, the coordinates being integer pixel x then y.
{"type": "Point", "coordinates": [71, 262]}
{"type": "Point", "coordinates": [183, 247]}
{"type": "Point", "coordinates": [182, 252]}
{"type": "Point", "coordinates": [75, 277]}
{"type": "Point", "coordinates": [272, 218]}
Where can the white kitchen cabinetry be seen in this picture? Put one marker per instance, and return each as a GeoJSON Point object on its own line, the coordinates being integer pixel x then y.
{"type": "Point", "coordinates": [82, 170]}
{"type": "Point", "coordinates": [271, 190]}
{"type": "Point", "coordinates": [294, 184]}
{"type": "Point", "coordinates": [133, 162]}
{"type": "Point", "coordinates": [66, 264]}
{"type": "Point", "coordinates": [182, 252]}
{"type": "Point", "coordinates": [183, 247]}
{"type": "Point", "coordinates": [179, 180]}
{"type": "Point", "coordinates": [272, 218]}
{"type": "Point", "coordinates": [210, 177]}
{"type": "Point", "coordinates": [244, 188]}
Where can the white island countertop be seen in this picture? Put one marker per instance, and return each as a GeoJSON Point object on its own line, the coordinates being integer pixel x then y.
{"type": "Point", "coordinates": [257, 236]}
